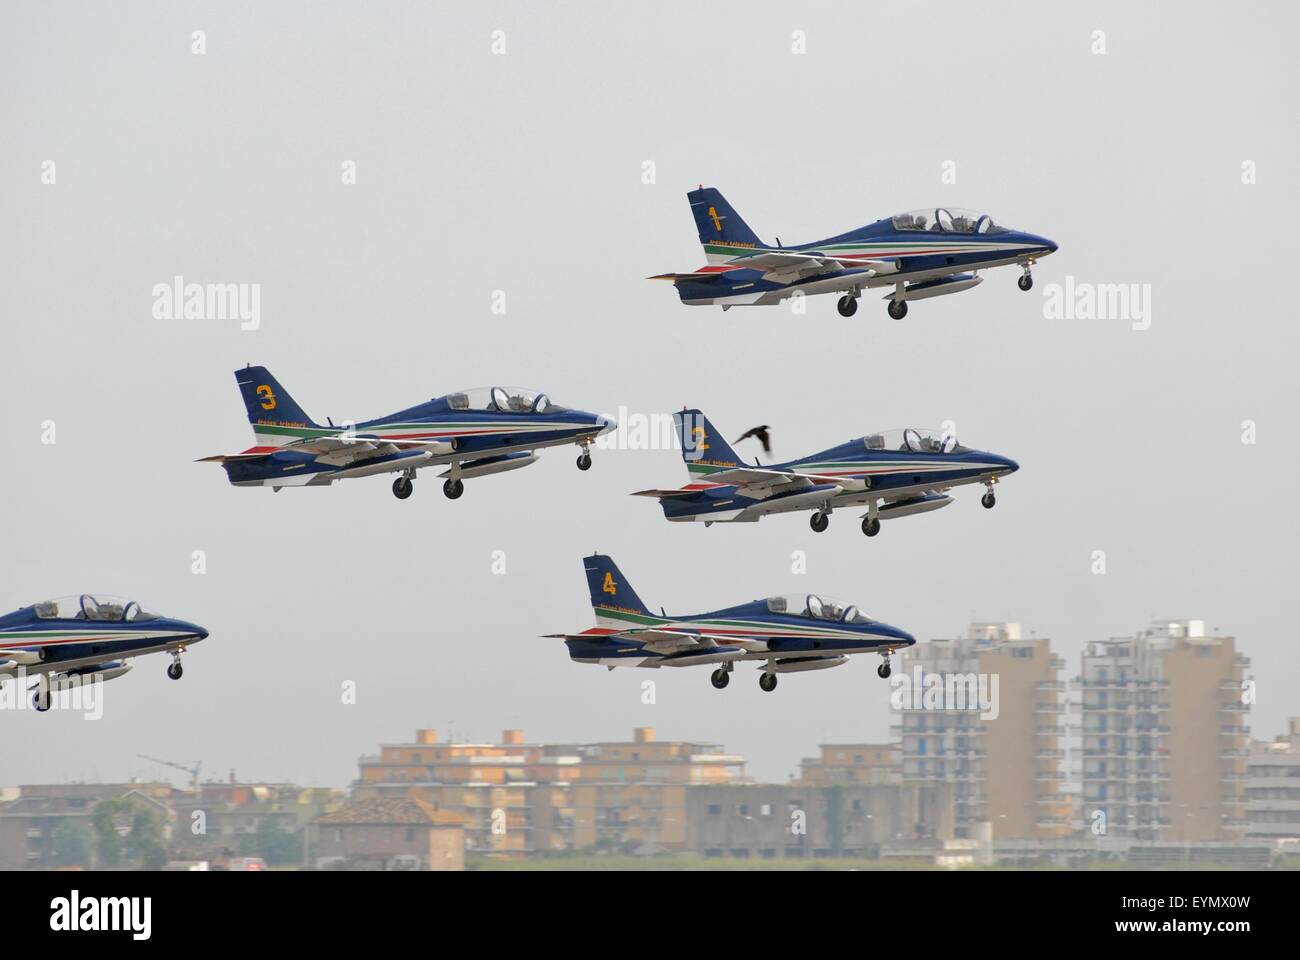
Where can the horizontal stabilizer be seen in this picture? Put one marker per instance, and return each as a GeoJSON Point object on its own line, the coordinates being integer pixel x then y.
{"type": "Point", "coordinates": [712, 274]}
{"type": "Point", "coordinates": [252, 453]}
{"type": "Point", "coordinates": [665, 493]}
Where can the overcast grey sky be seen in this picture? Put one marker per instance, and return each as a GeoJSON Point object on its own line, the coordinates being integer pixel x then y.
{"type": "Point", "coordinates": [522, 172]}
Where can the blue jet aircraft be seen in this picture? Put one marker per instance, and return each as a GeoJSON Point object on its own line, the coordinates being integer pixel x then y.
{"type": "Point", "coordinates": [476, 432]}
{"type": "Point", "coordinates": [895, 473]}
{"type": "Point", "coordinates": [74, 639]}
{"type": "Point", "coordinates": [787, 634]}
{"type": "Point", "coordinates": [921, 254]}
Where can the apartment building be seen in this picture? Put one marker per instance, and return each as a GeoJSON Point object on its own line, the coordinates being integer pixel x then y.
{"type": "Point", "coordinates": [1003, 757]}
{"type": "Point", "coordinates": [516, 797]}
{"type": "Point", "coordinates": [1165, 745]}
{"type": "Point", "coordinates": [1273, 787]}
{"type": "Point", "coordinates": [853, 763]}
{"type": "Point", "coordinates": [768, 821]}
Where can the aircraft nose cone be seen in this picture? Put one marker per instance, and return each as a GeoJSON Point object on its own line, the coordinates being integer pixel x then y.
{"type": "Point", "coordinates": [899, 637]}
{"type": "Point", "coordinates": [1008, 464]}
{"type": "Point", "coordinates": [200, 633]}
{"type": "Point", "coordinates": [605, 423]}
{"type": "Point", "coordinates": [1048, 246]}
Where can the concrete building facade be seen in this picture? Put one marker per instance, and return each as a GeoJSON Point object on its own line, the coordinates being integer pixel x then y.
{"type": "Point", "coordinates": [1164, 735]}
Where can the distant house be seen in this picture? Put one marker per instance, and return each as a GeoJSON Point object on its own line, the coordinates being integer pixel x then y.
{"type": "Point", "coordinates": [30, 822]}
{"type": "Point", "coordinates": [390, 833]}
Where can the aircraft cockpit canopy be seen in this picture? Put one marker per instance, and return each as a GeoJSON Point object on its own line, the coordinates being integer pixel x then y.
{"type": "Point", "coordinates": [816, 608]}
{"type": "Point", "coordinates": [947, 220]}
{"type": "Point", "coordinates": [913, 440]}
{"type": "Point", "coordinates": [98, 607]}
{"type": "Point", "coordinates": [501, 400]}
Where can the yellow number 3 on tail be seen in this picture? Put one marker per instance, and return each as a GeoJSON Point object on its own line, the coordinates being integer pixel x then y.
{"type": "Point", "coordinates": [610, 586]}
{"type": "Point", "coordinates": [268, 397]}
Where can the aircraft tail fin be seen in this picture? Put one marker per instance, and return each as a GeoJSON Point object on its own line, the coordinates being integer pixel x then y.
{"type": "Point", "coordinates": [608, 586]}
{"type": "Point", "coordinates": [718, 222]}
{"type": "Point", "coordinates": [272, 413]}
{"type": "Point", "coordinates": [704, 449]}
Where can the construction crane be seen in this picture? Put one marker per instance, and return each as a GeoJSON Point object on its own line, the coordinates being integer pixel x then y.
{"type": "Point", "coordinates": [193, 771]}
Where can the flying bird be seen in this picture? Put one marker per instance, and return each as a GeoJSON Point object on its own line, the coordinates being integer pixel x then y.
{"type": "Point", "coordinates": [760, 434]}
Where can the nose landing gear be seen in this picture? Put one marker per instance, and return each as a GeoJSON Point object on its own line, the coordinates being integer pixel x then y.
{"type": "Point", "coordinates": [1026, 280]}
{"type": "Point", "coordinates": [174, 669]}
{"type": "Point", "coordinates": [989, 500]}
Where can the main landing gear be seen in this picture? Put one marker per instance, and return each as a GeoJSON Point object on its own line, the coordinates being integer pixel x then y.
{"type": "Point", "coordinates": [452, 489]}
{"type": "Point", "coordinates": [819, 521]}
{"type": "Point", "coordinates": [403, 488]}
{"type": "Point", "coordinates": [41, 698]}
{"type": "Point", "coordinates": [720, 678]}
{"type": "Point", "coordinates": [898, 309]}
{"type": "Point", "coordinates": [1026, 281]}
{"type": "Point", "coordinates": [871, 520]}
{"type": "Point", "coordinates": [848, 305]}
{"type": "Point", "coordinates": [767, 682]}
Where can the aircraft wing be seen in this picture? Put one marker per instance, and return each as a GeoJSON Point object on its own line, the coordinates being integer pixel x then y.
{"type": "Point", "coordinates": [785, 267]}
{"type": "Point", "coordinates": [11, 660]}
{"type": "Point", "coordinates": [337, 451]}
{"type": "Point", "coordinates": [655, 641]}
{"type": "Point", "coordinates": [759, 484]}
{"type": "Point", "coordinates": [668, 641]}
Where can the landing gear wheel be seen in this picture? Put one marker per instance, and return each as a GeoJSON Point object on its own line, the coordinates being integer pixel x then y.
{"type": "Point", "coordinates": [584, 462]}
{"type": "Point", "coordinates": [453, 489]}
{"type": "Point", "coordinates": [720, 678]}
{"type": "Point", "coordinates": [883, 671]}
{"type": "Point", "coordinates": [898, 309]}
{"type": "Point", "coordinates": [871, 526]}
{"type": "Point", "coordinates": [847, 306]}
{"type": "Point", "coordinates": [403, 488]}
{"type": "Point", "coordinates": [819, 522]}
{"type": "Point", "coordinates": [767, 682]}
{"type": "Point", "coordinates": [41, 703]}
{"type": "Point", "coordinates": [175, 671]}
{"type": "Point", "coordinates": [988, 500]}
{"type": "Point", "coordinates": [1025, 283]}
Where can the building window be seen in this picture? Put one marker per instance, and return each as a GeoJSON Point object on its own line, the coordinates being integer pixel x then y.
{"type": "Point", "coordinates": [715, 809]}
{"type": "Point", "coordinates": [765, 810]}
{"type": "Point", "coordinates": [410, 834]}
